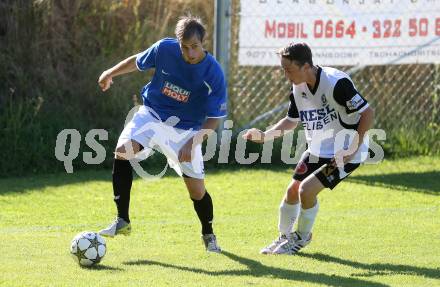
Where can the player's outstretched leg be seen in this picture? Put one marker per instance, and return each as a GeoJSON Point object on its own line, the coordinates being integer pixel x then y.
{"type": "Point", "coordinates": [205, 212]}
{"type": "Point", "coordinates": [122, 175]}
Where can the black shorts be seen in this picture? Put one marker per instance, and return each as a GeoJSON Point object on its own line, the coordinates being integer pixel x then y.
{"type": "Point", "coordinates": [323, 168]}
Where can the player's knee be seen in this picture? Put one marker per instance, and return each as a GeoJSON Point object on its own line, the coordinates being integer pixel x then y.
{"type": "Point", "coordinates": [196, 193]}
{"type": "Point", "coordinates": [293, 188]}
{"type": "Point", "coordinates": [303, 190]}
{"type": "Point", "coordinates": [306, 193]}
{"type": "Point", "coordinates": [196, 188]}
{"type": "Point", "coordinates": [126, 151]}
{"type": "Point", "coordinates": [293, 191]}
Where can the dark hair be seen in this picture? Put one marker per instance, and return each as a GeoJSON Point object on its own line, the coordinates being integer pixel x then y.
{"type": "Point", "coordinates": [298, 52]}
{"type": "Point", "coordinates": [188, 26]}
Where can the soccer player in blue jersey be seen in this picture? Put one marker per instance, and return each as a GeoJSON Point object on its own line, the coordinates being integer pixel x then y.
{"type": "Point", "coordinates": [187, 90]}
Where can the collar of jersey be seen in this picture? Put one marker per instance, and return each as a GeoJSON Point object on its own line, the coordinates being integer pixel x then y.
{"type": "Point", "coordinates": [318, 79]}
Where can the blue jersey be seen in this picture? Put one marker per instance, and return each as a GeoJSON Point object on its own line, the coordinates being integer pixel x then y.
{"type": "Point", "coordinates": [191, 92]}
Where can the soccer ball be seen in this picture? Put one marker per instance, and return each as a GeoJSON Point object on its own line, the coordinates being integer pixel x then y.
{"type": "Point", "coordinates": [88, 248]}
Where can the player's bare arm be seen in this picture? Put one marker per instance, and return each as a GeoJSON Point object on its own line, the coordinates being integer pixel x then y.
{"type": "Point", "coordinates": [365, 123]}
{"type": "Point", "coordinates": [279, 129]}
{"type": "Point", "coordinates": [125, 66]}
{"type": "Point", "coordinates": [208, 128]}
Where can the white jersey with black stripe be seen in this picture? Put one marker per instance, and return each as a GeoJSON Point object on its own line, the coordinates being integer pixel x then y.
{"type": "Point", "coordinates": [329, 113]}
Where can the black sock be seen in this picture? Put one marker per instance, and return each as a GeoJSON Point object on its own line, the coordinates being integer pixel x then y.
{"type": "Point", "coordinates": [122, 179]}
{"type": "Point", "coordinates": [205, 212]}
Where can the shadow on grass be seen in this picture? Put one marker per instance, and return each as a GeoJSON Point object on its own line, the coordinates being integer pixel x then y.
{"type": "Point", "coordinates": [100, 267]}
{"type": "Point", "coordinates": [426, 182]}
{"type": "Point", "coordinates": [23, 185]}
{"type": "Point", "coordinates": [377, 268]}
{"type": "Point", "coordinates": [257, 269]}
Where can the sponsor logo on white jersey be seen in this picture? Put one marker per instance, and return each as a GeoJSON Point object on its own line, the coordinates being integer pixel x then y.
{"type": "Point", "coordinates": [316, 119]}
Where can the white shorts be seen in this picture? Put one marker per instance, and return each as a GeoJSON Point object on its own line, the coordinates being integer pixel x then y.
{"type": "Point", "coordinates": [154, 134]}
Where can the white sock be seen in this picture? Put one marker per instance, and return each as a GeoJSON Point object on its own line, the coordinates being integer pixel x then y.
{"type": "Point", "coordinates": [306, 220]}
{"type": "Point", "coordinates": [288, 215]}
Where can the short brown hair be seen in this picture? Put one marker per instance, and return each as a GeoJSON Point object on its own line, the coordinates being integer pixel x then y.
{"type": "Point", "coordinates": [188, 26]}
{"type": "Point", "coordinates": [298, 52]}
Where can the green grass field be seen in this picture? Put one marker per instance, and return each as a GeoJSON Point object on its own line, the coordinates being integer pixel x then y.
{"type": "Point", "coordinates": [381, 227]}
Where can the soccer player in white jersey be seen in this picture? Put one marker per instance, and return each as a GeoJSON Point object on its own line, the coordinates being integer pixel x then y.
{"type": "Point", "coordinates": [183, 103]}
{"type": "Point", "coordinates": [335, 118]}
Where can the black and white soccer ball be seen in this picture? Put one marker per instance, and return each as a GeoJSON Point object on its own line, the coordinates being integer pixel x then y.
{"type": "Point", "coordinates": [88, 248]}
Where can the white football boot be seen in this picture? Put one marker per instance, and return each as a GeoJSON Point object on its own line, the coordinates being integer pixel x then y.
{"type": "Point", "coordinates": [294, 244]}
{"type": "Point", "coordinates": [119, 226]}
{"type": "Point", "coordinates": [271, 247]}
{"type": "Point", "coordinates": [210, 242]}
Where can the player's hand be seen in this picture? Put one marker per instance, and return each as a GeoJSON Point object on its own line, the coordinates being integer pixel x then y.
{"type": "Point", "coordinates": [254, 135]}
{"type": "Point", "coordinates": [105, 80]}
{"type": "Point", "coordinates": [185, 152]}
{"type": "Point", "coordinates": [342, 157]}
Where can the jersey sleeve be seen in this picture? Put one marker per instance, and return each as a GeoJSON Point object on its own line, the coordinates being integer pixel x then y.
{"type": "Point", "coordinates": [347, 96]}
{"type": "Point", "coordinates": [292, 113]}
{"type": "Point", "coordinates": [147, 59]}
{"type": "Point", "coordinates": [217, 97]}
